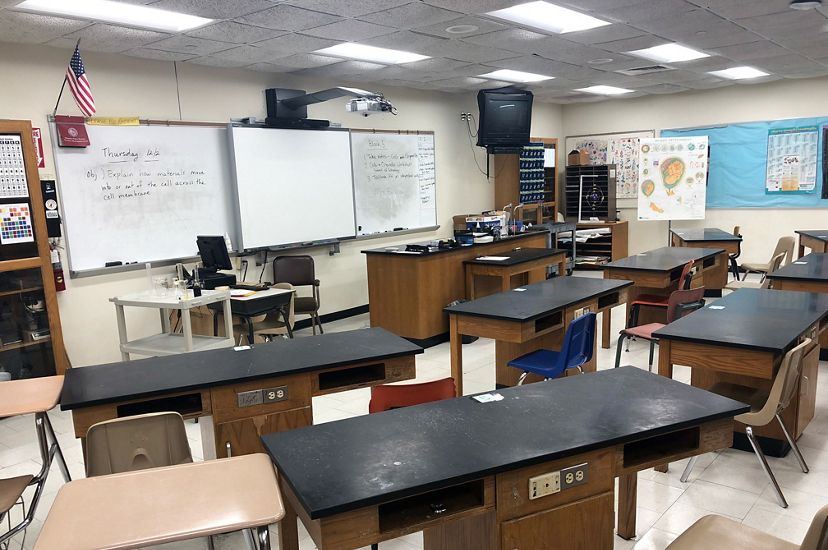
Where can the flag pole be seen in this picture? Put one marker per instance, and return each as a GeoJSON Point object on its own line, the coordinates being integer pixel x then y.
{"type": "Point", "coordinates": [64, 82]}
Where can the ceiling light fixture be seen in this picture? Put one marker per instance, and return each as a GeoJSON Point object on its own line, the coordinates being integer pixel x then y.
{"type": "Point", "coordinates": [669, 53]}
{"type": "Point", "coordinates": [374, 54]}
{"type": "Point", "coordinates": [515, 76]}
{"type": "Point", "coordinates": [548, 17]}
{"type": "Point", "coordinates": [461, 29]}
{"type": "Point", "coordinates": [739, 73]}
{"type": "Point", "coordinates": [805, 4]}
{"type": "Point", "coordinates": [117, 13]}
{"type": "Point", "coordinates": [604, 90]}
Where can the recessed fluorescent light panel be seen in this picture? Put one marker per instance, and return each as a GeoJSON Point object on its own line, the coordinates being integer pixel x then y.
{"type": "Point", "coordinates": [548, 17]}
{"type": "Point", "coordinates": [362, 52]}
{"type": "Point", "coordinates": [669, 53]}
{"type": "Point", "coordinates": [117, 13]}
{"type": "Point", "coordinates": [605, 90]}
{"type": "Point", "coordinates": [515, 76]}
{"type": "Point", "coordinates": [739, 73]}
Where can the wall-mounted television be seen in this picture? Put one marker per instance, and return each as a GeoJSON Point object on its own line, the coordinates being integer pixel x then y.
{"type": "Point", "coordinates": [505, 118]}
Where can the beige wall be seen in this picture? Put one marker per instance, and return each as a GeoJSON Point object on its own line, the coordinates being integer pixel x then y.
{"type": "Point", "coordinates": [740, 103]}
{"type": "Point", "coordinates": [126, 86]}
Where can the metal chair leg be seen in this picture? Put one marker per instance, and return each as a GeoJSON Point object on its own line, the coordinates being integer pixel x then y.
{"type": "Point", "coordinates": [652, 352]}
{"type": "Point", "coordinates": [522, 378]}
{"type": "Point", "coordinates": [794, 446]}
{"type": "Point", "coordinates": [249, 539]}
{"type": "Point", "coordinates": [210, 544]}
{"type": "Point", "coordinates": [58, 451]}
{"type": "Point", "coordinates": [621, 338]}
{"type": "Point", "coordinates": [689, 468]}
{"type": "Point", "coordinates": [263, 537]}
{"type": "Point", "coordinates": [763, 462]}
{"type": "Point", "coordinates": [319, 322]}
{"type": "Point", "coordinates": [375, 547]}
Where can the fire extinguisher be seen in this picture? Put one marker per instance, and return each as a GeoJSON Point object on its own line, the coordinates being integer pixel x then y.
{"type": "Point", "coordinates": [57, 268]}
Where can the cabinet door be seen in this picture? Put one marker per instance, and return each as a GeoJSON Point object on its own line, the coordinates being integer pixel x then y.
{"type": "Point", "coordinates": [243, 436]}
{"type": "Point", "coordinates": [583, 525]}
{"type": "Point", "coordinates": [807, 390]}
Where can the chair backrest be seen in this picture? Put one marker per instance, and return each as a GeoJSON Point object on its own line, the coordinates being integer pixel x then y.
{"type": "Point", "coordinates": [384, 398]}
{"type": "Point", "coordinates": [784, 386]}
{"type": "Point", "coordinates": [683, 302]}
{"type": "Point", "coordinates": [686, 278]}
{"type": "Point", "coordinates": [579, 341]}
{"type": "Point", "coordinates": [784, 244]}
{"type": "Point", "coordinates": [296, 270]}
{"type": "Point", "coordinates": [737, 230]}
{"type": "Point", "coordinates": [775, 264]}
{"type": "Point", "coordinates": [817, 536]}
{"type": "Point", "coordinates": [136, 443]}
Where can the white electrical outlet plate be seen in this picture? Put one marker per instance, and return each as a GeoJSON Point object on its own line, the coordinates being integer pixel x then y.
{"type": "Point", "coordinates": [544, 485]}
{"type": "Point", "coordinates": [574, 475]}
{"type": "Point", "coordinates": [580, 312]}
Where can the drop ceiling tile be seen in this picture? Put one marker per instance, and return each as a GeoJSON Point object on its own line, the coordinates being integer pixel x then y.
{"type": "Point", "coordinates": [685, 23]}
{"type": "Point", "coordinates": [647, 10]}
{"type": "Point", "coordinates": [269, 68]}
{"type": "Point", "coordinates": [463, 51]}
{"type": "Point", "coordinates": [482, 25]}
{"type": "Point", "coordinates": [350, 30]}
{"type": "Point", "coordinates": [347, 8]}
{"type": "Point", "coordinates": [715, 36]}
{"type": "Point", "coordinates": [158, 55]}
{"type": "Point", "coordinates": [474, 6]}
{"type": "Point", "coordinates": [520, 40]}
{"type": "Point", "coordinates": [785, 63]}
{"type": "Point", "coordinates": [663, 89]}
{"type": "Point", "coordinates": [707, 83]}
{"type": "Point", "coordinates": [218, 62]}
{"type": "Point", "coordinates": [411, 41]}
{"type": "Point", "coordinates": [305, 61]}
{"type": "Point", "coordinates": [712, 63]}
{"type": "Point", "coordinates": [789, 21]}
{"type": "Point", "coordinates": [735, 9]}
{"type": "Point", "coordinates": [597, 6]}
{"type": "Point", "coordinates": [532, 64]}
{"type": "Point", "coordinates": [35, 29]}
{"type": "Point", "coordinates": [463, 82]}
{"type": "Point", "coordinates": [345, 69]}
{"type": "Point", "coordinates": [409, 16]}
{"type": "Point", "coordinates": [600, 35]}
{"type": "Point", "coordinates": [108, 38]}
{"type": "Point", "coordinates": [294, 43]}
{"type": "Point", "coordinates": [815, 49]}
{"type": "Point", "coordinates": [214, 9]}
{"type": "Point", "coordinates": [435, 64]}
{"type": "Point", "coordinates": [631, 44]}
{"type": "Point", "coordinates": [677, 76]}
{"type": "Point", "coordinates": [237, 33]}
{"type": "Point", "coordinates": [289, 18]}
{"type": "Point", "coordinates": [753, 50]}
{"type": "Point", "coordinates": [473, 69]}
{"type": "Point", "coordinates": [190, 44]}
{"type": "Point", "coordinates": [246, 55]}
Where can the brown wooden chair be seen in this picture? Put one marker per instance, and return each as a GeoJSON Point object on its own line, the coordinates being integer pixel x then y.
{"type": "Point", "coordinates": [300, 271]}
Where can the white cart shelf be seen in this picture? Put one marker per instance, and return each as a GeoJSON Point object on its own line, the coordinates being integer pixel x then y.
{"type": "Point", "coordinates": [168, 342]}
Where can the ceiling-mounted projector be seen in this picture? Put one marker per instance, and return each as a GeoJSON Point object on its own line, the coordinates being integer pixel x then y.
{"type": "Point", "coordinates": [288, 108]}
{"type": "Point", "coordinates": [370, 105]}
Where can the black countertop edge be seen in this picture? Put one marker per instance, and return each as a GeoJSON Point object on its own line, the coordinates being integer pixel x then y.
{"type": "Point", "coordinates": [386, 251]}
{"type": "Point", "coordinates": [449, 482]}
{"type": "Point", "coordinates": [242, 379]}
{"type": "Point", "coordinates": [622, 284]}
{"type": "Point", "coordinates": [811, 233]}
{"type": "Point", "coordinates": [708, 342]}
{"type": "Point", "coordinates": [538, 253]}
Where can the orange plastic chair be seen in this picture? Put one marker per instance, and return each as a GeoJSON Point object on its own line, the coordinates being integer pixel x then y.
{"type": "Point", "coordinates": [384, 398]}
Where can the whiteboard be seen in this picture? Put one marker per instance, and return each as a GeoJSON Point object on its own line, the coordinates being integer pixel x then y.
{"type": "Point", "coordinates": [673, 175]}
{"type": "Point", "coordinates": [292, 186]}
{"type": "Point", "coordinates": [620, 149]}
{"type": "Point", "coordinates": [394, 181]}
{"type": "Point", "coordinates": [142, 193]}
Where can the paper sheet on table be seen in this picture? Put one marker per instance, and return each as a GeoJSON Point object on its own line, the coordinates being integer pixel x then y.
{"type": "Point", "coordinates": [493, 258]}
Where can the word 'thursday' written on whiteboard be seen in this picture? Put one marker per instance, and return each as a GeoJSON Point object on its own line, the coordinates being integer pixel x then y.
{"type": "Point", "coordinates": [142, 193]}
{"type": "Point", "coordinates": [394, 181]}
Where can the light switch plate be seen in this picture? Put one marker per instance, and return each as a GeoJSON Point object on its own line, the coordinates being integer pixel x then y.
{"type": "Point", "coordinates": [249, 398]}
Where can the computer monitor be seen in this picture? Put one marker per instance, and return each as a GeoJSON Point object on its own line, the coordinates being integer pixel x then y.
{"type": "Point", "coordinates": [213, 252]}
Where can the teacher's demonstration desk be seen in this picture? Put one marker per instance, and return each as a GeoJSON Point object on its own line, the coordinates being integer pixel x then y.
{"type": "Point", "coordinates": [742, 338]}
{"type": "Point", "coordinates": [528, 318]}
{"type": "Point", "coordinates": [407, 291]}
{"type": "Point", "coordinates": [468, 474]}
{"type": "Point", "coordinates": [238, 394]}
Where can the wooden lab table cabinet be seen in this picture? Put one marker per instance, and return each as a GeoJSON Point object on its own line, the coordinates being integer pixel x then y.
{"type": "Point", "coordinates": [465, 473]}
{"type": "Point", "coordinates": [491, 274]}
{"type": "Point", "coordinates": [816, 240]}
{"type": "Point", "coordinates": [527, 319]}
{"type": "Point", "coordinates": [239, 394]}
{"type": "Point", "coordinates": [408, 291]}
{"type": "Point", "coordinates": [710, 237]}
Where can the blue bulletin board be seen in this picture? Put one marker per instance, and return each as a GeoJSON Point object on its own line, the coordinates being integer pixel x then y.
{"type": "Point", "coordinates": [738, 165]}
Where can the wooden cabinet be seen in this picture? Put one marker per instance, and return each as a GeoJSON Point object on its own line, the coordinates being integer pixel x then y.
{"type": "Point", "coordinates": [507, 186]}
{"type": "Point", "coordinates": [603, 248]}
{"type": "Point", "coordinates": [31, 338]}
{"type": "Point", "coordinates": [244, 436]}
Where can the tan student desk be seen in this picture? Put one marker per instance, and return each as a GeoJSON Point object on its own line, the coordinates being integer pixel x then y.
{"type": "Point", "coordinates": [529, 318]}
{"type": "Point", "coordinates": [710, 237]}
{"type": "Point", "coordinates": [408, 291]}
{"type": "Point", "coordinates": [239, 394]}
{"type": "Point", "coordinates": [460, 470]}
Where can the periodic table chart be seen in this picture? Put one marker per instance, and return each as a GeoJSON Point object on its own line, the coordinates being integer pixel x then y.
{"type": "Point", "coordinates": [12, 168]}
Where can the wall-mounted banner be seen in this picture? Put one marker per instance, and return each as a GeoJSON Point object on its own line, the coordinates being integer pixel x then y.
{"type": "Point", "coordinates": [792, 160]}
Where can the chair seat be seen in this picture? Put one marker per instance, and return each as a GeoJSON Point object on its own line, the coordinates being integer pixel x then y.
{"type": "Point", "coordinates": [12, 489]}
{"type": "Point", "coordinates": [644, 331]}
{"type": "Point", "coordinates": [754, 397]}
{"type": "Point", "coordinates": [543, 362]}
{"type": "Point", "coordinates": [736, 285]}
{"type": "Point", "coordinates": [755, 266]}
{"type": "Point", "coordinates": [653, 300]}
{"type": "Point", "coordinates": [720, 532]}
{"type": "Point", "coordinates": [305, 304]}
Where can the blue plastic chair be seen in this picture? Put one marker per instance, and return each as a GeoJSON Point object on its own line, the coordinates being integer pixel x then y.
{"type": "Point", "coordinates": [579, 342]}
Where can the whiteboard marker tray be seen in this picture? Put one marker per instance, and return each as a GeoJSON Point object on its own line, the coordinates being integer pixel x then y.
{"type": "Point", "coordinates": [171, 344]}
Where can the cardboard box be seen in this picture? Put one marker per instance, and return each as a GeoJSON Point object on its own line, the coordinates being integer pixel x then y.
{"type": "Point", "coordinates": [577, 158]}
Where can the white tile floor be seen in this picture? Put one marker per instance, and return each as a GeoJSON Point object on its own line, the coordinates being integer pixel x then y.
{"type": "Point", "coordinates": [729, 483]}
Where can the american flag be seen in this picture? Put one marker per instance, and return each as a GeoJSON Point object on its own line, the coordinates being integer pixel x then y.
{"type": "Point", "coordinates": [76, 76]}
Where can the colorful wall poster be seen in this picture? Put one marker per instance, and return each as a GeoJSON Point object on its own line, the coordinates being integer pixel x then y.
{"type": "Point", "coordinates": [620, 149]}
{"type": "Point", "coordinates": [15, 224]}
{"type": "Point", "coordinates": [792, 160]}
{"type": "Point", "coordinates": [673, 178]}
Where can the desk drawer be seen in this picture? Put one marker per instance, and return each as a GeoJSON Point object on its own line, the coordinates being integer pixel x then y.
{"type": "Point", "coordinates": [513, 487]}
{"type": "Point", "coordinates": [246, 400]}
